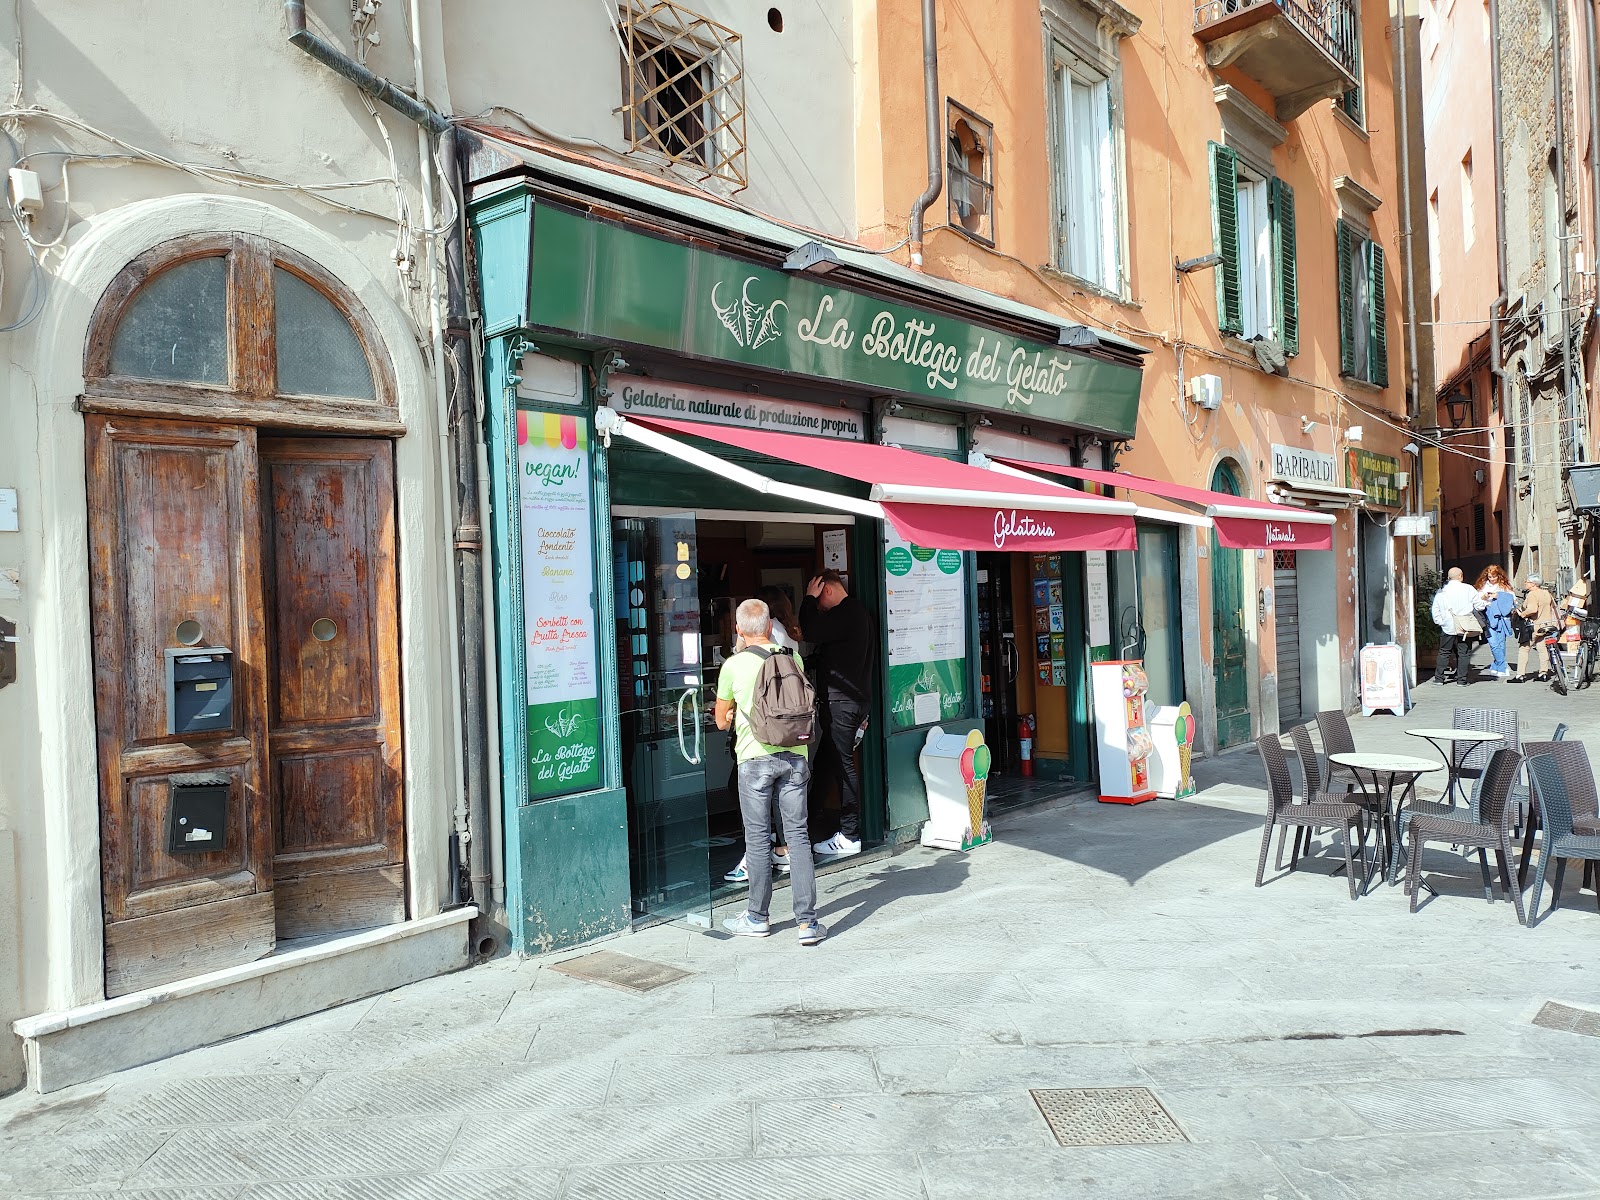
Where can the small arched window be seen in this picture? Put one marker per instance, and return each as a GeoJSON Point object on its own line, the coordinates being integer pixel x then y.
{"type": "Point", "coordinates": [234, 313]}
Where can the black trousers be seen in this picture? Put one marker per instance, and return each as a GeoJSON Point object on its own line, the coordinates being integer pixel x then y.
{"type": "Point", "coordinates": [838, 718]}
{"type": "Point", "coordinates": [1455, 654]}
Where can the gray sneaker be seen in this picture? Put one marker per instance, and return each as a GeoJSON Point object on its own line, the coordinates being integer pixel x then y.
{"type": "Point", "coordinates": [746, 926]}
{"type": "Point", "coordinates": [812, 932]}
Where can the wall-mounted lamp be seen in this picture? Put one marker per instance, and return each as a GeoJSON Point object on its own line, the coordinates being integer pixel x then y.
{"type": "Point", "coordinates": [1078, 337]}
{"type": "Point", "coordinates": [894, 407]}
{"type": "Point", "coordinates": [813, 258]}
{"type": "Point", "coordinates": [1479, 475]}
{"type": "Point", "coordinates": [985, 423]}
{"type": "Point", "coordinates": [1354, 434]}
{"type": "Point", "coordinates": [1412, 448]}
{"type": "Point", "coordinates": [1458, 407]}
{"type": "Point", "coordinates": [1202, 263]}
{"type": "Point", "coordinates": [1307, 424]}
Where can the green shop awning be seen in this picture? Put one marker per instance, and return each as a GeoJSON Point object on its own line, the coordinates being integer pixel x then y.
{"type": "Point", "coordinates": [580, 275]}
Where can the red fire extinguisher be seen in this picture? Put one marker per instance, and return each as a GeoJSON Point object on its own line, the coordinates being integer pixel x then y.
{"type": "Point", "coordinates": [1025, 728]}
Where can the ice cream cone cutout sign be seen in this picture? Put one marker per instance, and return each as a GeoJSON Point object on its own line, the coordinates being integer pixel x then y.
{"type": "Point", "coordinates": [955, 770]}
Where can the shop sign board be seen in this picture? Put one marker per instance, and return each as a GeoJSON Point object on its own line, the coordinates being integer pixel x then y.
{"type": "Point", "coordinates": [1097, 583]}
{"type": "Point", "coordinates": [1383, 679]}
{"type": "Point", "coordinates": [558, 604]}
{"type": "Point", "coordinates": [632, 395]}
{"type": "Point", "coordinates": [621, 286]}
{"type": "Point", "coordinates": [1374, 475]}
{"type": "Point", "coordinates": [1291, 464]}
{"type": "Point", "coordinates": [926, 594]}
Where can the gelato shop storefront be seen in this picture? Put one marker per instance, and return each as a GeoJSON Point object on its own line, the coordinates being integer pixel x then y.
{"type": "Point", "coordinates": [674, 430]}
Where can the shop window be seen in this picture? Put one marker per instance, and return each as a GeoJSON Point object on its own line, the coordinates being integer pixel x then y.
{"type": "Point", "coordinates": [1363, 335]}
{"type": "Point", "coordinates": [683, 88]}
{"type": "Point", "coordinates": [232, 312]}
{"type": "Point", "coordinates": [970, 163]}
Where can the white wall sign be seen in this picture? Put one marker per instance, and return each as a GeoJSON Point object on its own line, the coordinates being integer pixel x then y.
{"type": "Point", "coordinates": [687, 402]}
{"type": "Point", "coordinates": [926, 602]}
{"type": "Point", "coordinates": [1097, 583]}
{"type": "Point", "coordinates": [1294, 465]}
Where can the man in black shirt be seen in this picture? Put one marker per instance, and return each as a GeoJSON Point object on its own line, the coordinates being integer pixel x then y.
{"type": "Point", "coordinates": [843, 654]}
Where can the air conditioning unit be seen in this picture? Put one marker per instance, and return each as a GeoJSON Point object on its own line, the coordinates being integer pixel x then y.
{"type": "Point", "coordinates": [1206, 391]}
{"type": "Point", "coordinates": [780, 535]}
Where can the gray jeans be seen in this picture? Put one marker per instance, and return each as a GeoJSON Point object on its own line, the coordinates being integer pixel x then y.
{"type": "Point", "coordinates": [777, 781]}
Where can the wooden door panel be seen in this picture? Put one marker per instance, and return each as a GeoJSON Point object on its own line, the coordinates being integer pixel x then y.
{"type": "Point", "coordinates": [173, 515]}
{"type": "Point", "coordinates": [334, 713]}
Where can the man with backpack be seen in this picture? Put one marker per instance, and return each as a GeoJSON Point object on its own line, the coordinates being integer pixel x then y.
{"type": "Point", "coordinates": [763, 694]}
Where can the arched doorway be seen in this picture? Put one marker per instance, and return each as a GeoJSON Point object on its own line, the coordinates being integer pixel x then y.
{"type": "Point", "coordinates": [245, 632]}
{"type": "Point", "coordinates": [1229, 639]}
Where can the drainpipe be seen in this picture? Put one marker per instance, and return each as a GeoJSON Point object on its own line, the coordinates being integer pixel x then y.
{"type": "Point", "coordinates": [465, 435]}
{"type": "Point", "coordinates": [1405, 204]}
{"type": "Point", "coordinates": [1497, 309]}
{"type": "Point", "coordinates": [1569, 399]}
{"type": "Point", "coordinates": [932, 124]}
{"type": "Point", "coordinates": [1591, 47]}
{"type": "Point", "coordinates": [379, 88]}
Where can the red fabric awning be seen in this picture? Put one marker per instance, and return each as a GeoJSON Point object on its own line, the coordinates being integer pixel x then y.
{"type": "Point", "coordinates": [937, 503]}
{"type": "Point", "coordinates": [1241, 523]}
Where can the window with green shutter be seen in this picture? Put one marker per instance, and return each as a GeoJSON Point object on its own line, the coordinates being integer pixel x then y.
{"type": "Point", "coordinates": [1347, 299]}
{"type": "Point", "coordinates": [1378, 358]}
{"type": "Point", "coordinates": [1286, 287]}
{"type": "Point", "coordinates": [1225, 235]}
{"type": "Point", "coordinates": [1363, 327]}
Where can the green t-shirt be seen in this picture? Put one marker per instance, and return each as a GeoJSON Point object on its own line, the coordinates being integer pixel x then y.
{"type": "Point", "coordinates": [737, 682]}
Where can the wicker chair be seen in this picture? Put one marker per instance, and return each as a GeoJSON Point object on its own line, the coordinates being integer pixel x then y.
{"type": "Point", "coordinates": [1334, 729]}
{"type": "Point", "coordinates": [1490, 830]}
{"type": "Point", "coordinates": [1311, 771]}
{"type": "Point", "coordinates": [1472, 758]}
{"type": "Point", "coordinates": [1573, 759]}
{"type": "Point", "coordinates": [1319, 811]}
{"type": "Point", "coordinates": [1559, 777]}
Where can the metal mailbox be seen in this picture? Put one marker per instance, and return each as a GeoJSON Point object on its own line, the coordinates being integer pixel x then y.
{"type": "Point", "coordinates": [199, 690]}
{"type": "Point", "coordinates": [197, 814]}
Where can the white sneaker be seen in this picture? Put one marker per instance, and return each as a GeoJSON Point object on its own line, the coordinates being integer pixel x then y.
{"type": "Point", "coordinates": [838, 846]}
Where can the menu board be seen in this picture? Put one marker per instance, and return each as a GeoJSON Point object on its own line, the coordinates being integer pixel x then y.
{"type": "Point", "coordinates": [1049, 619]}
{"type": "Point", "coordinates": [558, 604]}
{"type": "Point", "coordinates": [1097, 584]}
{"type": "Point", "coordinates": [926, 632]}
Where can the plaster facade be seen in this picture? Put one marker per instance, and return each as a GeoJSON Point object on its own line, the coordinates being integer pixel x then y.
{"type": "Point", "coordinates": [1463, 253]}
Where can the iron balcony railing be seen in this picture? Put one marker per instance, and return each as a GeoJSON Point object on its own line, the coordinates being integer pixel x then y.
{"type": "Point", "coordinates": [1331, 24]}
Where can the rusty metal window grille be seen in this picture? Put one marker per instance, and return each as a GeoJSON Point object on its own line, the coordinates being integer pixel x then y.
{"type": "Point", "coordinates": [970, 160]}
{"type": "Point", "coordinates": [683, 89]}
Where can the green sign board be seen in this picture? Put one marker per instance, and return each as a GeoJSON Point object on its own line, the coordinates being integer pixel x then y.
{"type": "Point", "coordinates": [617, 285]}
{"type": "Point", "coordinates": [926, 602]}
{"type": "Point", "coordinates": [558, 604]}
{"type": "Point", "coordinates": [1373, 474]}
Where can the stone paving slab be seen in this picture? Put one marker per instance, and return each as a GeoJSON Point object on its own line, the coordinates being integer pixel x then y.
{"type": "Point", "coordinates": [1308, 1046]}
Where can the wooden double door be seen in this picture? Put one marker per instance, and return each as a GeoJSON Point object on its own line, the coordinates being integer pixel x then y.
{"type": "Point", "coordinates": [281, 550]}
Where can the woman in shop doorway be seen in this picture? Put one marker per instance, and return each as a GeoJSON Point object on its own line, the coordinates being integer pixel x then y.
{"type": "Point", "coordinates": [1496, 601]}
{"type": "Point", "coordinates": [787, 634]}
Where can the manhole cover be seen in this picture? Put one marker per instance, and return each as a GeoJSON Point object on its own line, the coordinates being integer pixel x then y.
{"type": "Point", "coordinates": [620, 971]}
{"type": "Point", "coordinates": [1128, 1116]}
{"type": "Point", "coordinates": [1569, 1019]}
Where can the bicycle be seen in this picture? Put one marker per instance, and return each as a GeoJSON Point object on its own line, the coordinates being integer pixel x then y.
{"type": "Point", "coordinates": [1585, 658]}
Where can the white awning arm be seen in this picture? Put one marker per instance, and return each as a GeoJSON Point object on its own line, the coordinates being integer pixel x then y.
{"type": "Point", "coordinates": [1081, 501]}
{"type": "Point", "coordinates": [1307, 517]}
{"type": "Point", "coordinates": [1068, 502]}
{"type": "Point", "coordinates": [609, 422]}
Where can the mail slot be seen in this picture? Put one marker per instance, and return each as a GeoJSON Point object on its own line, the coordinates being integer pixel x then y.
{"type": "Point", "coordinates": [199, 690]}
{"type": "Point", "coordinates": [197, 813]}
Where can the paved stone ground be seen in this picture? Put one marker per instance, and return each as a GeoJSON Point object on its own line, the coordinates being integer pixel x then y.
{"type": "Point", "coordinates": [1306, 1045]}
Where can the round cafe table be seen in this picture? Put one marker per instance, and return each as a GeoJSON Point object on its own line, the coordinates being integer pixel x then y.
{"type": "Point", "coordinates": [1388, 773]}
{"type": "Point", "coordinates": [1444, 741]}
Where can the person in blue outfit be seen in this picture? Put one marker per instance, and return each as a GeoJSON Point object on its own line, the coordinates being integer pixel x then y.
{"type": "Point", "coordinates": [1497, 602]}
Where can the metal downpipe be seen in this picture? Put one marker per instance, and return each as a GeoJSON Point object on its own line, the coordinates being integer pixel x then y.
{"type": "Point", "coordinates": [1497, 309]}
{"type": "Point", "coordinates": [932, 126]}
{"type": "Point", "coordinates": [379, 88]}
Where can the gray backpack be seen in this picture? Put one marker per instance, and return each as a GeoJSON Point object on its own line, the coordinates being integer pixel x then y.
{"type": "Point", "coordinates": [783, 709]}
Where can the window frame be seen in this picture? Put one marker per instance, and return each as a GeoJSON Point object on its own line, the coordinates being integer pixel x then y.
{"type": "Point", "coordinates": [1365, 326]}
{"type": "Point", "coordinates": [983, 129]}
{"type": "Point", "coordinates": [1068, 67]}
{"type": "Point", "coordinates": [250, 395]}
{"type": "Point", "coordinates": [1256, 307]}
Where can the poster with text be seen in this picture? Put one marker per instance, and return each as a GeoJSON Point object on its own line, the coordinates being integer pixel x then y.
{"type": "Point", "coordinates": [558, 604]}
{"type": "Point", "coordinates": [927, 633]}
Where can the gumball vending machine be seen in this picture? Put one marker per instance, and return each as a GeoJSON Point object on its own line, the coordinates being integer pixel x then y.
{"type": "Point", "coordinates": [1121, 731]}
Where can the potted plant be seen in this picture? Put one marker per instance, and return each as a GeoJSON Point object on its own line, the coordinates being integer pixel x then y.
{"type": "Point", "coordinates": [1423, 629]}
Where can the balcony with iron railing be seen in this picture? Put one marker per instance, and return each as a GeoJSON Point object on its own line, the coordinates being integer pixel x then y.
{"type": "Point", "coordinates": [1301, 51]}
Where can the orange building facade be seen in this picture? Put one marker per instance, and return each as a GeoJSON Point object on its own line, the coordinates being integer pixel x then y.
{"type": "Point", "coordinates": [1175, 133]}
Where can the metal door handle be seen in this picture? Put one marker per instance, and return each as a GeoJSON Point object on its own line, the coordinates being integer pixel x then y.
{"type": "Point", "coordinates": [699, 731]}
{"type": "Point", "coordinates": [682, 748]}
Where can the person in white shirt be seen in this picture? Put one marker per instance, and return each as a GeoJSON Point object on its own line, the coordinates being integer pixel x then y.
{"type": "Point", "coordinates": [1456, 600]}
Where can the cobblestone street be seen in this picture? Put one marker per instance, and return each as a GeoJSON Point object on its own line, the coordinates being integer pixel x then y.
{"type": "Point", "coordinates": [1305, 1046]}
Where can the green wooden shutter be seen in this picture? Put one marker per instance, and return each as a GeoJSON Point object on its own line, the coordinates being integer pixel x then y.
{"type": "Point", "coordinates": [1225, 236]}
{"type": "Point", "coordinates": [1379, 356]}
{"type": "Point", "coordinates": [1280, 197]}
{"type": "Point", "coordinates": [1347, 300]}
